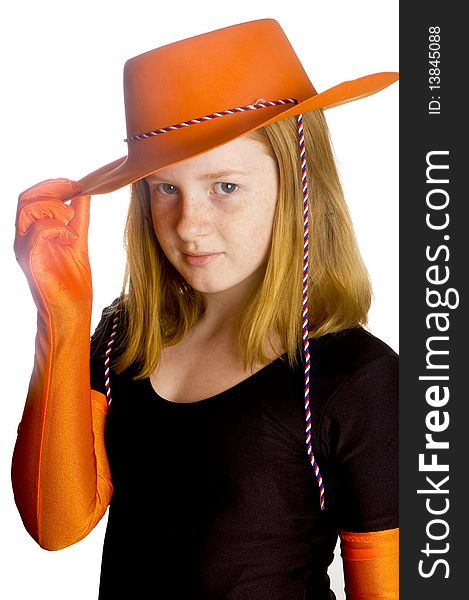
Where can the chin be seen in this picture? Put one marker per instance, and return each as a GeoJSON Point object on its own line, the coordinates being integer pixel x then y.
{"type": "Point", "coordinates": [209, 288]}
{"type": "Point", "coordinates": [209, 285]}
{"type": "Point", "coordinates": [206, 283]}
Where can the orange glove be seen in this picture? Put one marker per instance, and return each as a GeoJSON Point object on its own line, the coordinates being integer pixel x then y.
{"type": "Point", "coordinates": [60, 473]}
{"type": "Point", "coordinates": [371, 564]}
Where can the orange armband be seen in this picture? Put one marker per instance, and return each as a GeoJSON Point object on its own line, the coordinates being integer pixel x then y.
{"type": "Point", "coordinates": [371, 564]}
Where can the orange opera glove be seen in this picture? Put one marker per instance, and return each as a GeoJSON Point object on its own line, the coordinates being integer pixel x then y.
{"type": "Point", "coordinates": [60, 473]}
{"type": "Point", "coordinates": [371, 564]}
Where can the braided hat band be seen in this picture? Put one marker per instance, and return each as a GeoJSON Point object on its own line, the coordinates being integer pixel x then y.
{"type": "Point", "coordinates": [259, 104]}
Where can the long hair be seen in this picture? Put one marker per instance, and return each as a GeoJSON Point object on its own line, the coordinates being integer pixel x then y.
{"type": "Point", "coordinates": [160, 307]}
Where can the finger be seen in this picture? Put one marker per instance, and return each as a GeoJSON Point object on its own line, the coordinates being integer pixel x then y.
{"type": "Point", "coordinates": [59, 188]}
{"type": "Point", "coordinates": [42, 209]}
{"type": "Point", "coordinates": [51, 230]}
{"type": "Point", "coordinates": [81, 219]}
{"type": "Point", "coordinates": [59, 233]}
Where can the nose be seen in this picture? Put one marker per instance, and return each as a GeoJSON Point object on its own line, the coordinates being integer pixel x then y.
{"type": "Point", "coordinates": [194, 217]}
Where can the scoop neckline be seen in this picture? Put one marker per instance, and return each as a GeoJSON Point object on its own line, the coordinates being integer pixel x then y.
{"type": "Point", "coordinates": [227, 392]}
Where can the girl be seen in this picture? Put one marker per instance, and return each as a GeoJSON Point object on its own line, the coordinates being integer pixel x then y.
{"type": "Point", "coordinates": [231, 409]}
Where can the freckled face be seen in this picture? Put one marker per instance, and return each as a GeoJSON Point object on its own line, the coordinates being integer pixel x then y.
{"type": "Point", "coordinates": [213, 215]}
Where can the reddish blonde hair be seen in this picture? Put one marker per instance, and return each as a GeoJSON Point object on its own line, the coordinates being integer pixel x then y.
{"type": "Point", "coordinates": [161, 307]}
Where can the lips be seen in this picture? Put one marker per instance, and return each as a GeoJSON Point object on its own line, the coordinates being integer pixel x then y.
{"type": "Point", "coordinates": [200, 258]}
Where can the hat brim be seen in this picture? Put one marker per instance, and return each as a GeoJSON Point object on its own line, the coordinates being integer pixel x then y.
{"type": "Point", "coordinates": [122, 172]}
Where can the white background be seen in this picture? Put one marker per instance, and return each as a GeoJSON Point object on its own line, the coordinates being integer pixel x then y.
{"type": "Point", "coordinates": [62, 116]}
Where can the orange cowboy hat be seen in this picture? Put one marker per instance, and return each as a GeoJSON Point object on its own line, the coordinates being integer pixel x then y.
{"type": "Point", "coordinates": [248, 74]}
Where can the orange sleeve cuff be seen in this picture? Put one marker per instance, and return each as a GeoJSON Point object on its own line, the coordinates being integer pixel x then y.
{"type": "Point", "coordinates": [371, 564]}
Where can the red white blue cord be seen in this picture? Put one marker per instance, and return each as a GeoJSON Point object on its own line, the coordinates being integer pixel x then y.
{"type": "Point", "coordinates": [110, 343]}
{"type": "Point", "coordinates": [305, 323]}
{"type": "Point", "coordinates": [261, 103]}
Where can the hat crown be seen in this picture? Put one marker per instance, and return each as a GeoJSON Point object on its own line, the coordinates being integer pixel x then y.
{"type": "Point", "coordinates": [212, 72]}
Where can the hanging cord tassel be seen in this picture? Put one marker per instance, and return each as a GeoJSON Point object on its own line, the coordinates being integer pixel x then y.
{"type": "Point", "coordinates": [107, 355]}
{"type": "Point", "coordinates": [305, 326]}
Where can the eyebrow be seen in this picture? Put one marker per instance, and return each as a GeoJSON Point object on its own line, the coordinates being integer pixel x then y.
{"type": "Point", "coordinates": [223, 174]}
{"type": "Point", "coordinates": [207, 176]}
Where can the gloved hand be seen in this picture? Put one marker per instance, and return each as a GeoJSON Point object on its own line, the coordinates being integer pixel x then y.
{"type": "Point", "coordinates": [60, 474]}
{"type": "Point", "coordinates": [51, 245]}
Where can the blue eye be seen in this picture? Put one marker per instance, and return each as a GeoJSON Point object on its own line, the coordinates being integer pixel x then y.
{"type": "Point", "coordinates": [166, 188]}
{"type": "Point", "coordinates": [225, 188]}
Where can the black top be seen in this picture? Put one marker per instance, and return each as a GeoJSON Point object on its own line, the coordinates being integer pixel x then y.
{"type": "Point", "coordinates": [217, 499]}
